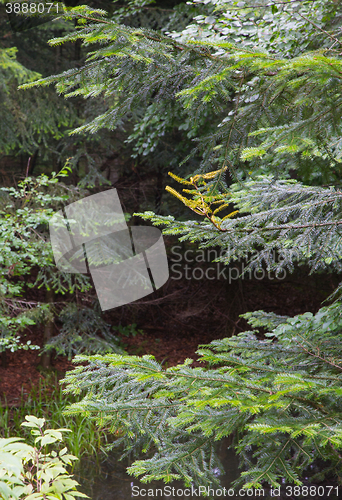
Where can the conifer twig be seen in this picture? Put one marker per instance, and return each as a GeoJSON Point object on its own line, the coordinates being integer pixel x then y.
{"type": "Point", "coordinates": [320, 29]}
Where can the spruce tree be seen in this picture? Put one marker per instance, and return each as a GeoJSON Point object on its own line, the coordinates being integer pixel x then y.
{"type": "Point", "coordinates": [268, 108]}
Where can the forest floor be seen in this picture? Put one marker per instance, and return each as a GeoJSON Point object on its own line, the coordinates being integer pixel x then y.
{"type": "Point", "coordinates": [175, 320]}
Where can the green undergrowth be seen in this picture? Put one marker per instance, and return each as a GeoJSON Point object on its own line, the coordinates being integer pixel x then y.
{"type": "Point", "coordinates": [46, 400]}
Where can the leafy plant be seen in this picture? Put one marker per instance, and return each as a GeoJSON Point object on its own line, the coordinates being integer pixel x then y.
{"type": "Point", "coordinates": [129, 330]}
{"type": "Point", "coordinates": [47, 399]}
{"type": "Point", "coordinates": [25, 212]}
{"type": "Point", "coordinates": [33, 472]}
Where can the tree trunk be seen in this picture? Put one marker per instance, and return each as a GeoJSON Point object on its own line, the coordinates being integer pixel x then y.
{"type": "Point", "coordinates": [48, 332]}
{"type": "Point", "coordinates": [159, 191]}
{"type": "Point", "coordinates": [4, 359]}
